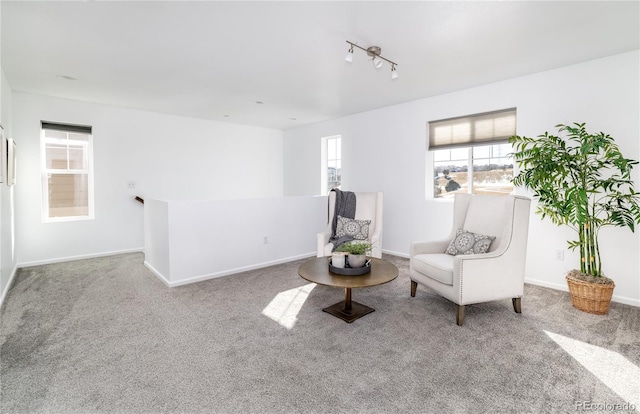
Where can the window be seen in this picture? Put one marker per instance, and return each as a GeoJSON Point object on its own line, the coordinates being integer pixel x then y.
{"type": "Point", "coordinates": [332, 163]}
{"type": "Point", "coordinates": [470, 154]}
{"type": "Point", "coordinates": [67, 179]}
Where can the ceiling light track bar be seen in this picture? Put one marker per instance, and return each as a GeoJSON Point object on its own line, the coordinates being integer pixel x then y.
{"type": "Point", "coordinates": [373, 51]}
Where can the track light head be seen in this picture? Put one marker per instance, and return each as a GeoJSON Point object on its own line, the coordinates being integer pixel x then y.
{"type": "Point", "coordinates": [349, 57]}
{"type": "Point", "coordinates": [374, 51]}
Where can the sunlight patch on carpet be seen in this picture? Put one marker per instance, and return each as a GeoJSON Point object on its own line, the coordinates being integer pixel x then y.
{"type": "Point", "coordinates": [614, 370]}
{"type": "Point", "coordinates": [284, 308]}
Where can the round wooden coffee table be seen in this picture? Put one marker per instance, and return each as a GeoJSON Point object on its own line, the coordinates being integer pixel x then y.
{"type": "Point", "coordinates": [317, 271]}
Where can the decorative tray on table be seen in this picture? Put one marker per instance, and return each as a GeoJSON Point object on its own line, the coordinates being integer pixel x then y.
{"type": "Point", "coordinates": [351, 271]}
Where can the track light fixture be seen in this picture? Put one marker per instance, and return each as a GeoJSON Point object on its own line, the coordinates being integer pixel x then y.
{"type": "Point", "coordinates": [377, 59]}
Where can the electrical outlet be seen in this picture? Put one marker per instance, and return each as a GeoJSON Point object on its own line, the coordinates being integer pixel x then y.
{"type": "Point", "coordinates": [131, 184]}
{"type": "Point", "coordinates": [265, 239]}
{"type": "Point", "coordinates": [559, 254]}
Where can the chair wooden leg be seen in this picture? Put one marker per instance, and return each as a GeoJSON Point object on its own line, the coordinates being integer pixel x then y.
{"type": "Point", "coordinates": [517, 304]}
{"type": "Point", "coordinates": [414, 287]}
{"type": "Point", "coordinates": [459, 315]}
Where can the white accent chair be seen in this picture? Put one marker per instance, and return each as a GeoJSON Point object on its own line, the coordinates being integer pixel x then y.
{"type": "Point", "coordinates": [475, 278]}
{"type": "Point", "coordinates": [368, 207]}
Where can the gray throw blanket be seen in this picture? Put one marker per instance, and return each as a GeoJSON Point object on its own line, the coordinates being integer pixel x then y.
{"type": "Point", "coordinates": [345, 207]}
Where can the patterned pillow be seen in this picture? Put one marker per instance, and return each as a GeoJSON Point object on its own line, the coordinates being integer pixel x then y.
{"type": "Point", "coordinates": [466, 242]}
{"type": "Point", "coordinates": [358, 229]}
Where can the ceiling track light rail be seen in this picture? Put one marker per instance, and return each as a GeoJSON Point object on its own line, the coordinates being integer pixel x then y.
{"type": "Point", "coordinates": [376, 57]}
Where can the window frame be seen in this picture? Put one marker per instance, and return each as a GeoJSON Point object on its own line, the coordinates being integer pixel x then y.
{"type": "Point", "coordinates": [324, 169]}
{"type": "Point", "coordinates": [45, 171]}
{"type": "Point", "coordinates": [470, 161]}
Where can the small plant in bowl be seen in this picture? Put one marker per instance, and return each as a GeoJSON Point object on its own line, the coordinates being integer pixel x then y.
{"type": "Point", "coordinates": [357, 252]}
{"type": "Point", "coordinates": [355, 248]}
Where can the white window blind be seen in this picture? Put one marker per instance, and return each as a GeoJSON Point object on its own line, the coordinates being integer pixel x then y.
{"type": "Point", "coordinates": [493, 127]}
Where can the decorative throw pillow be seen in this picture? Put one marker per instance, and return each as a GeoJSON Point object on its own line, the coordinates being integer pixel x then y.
{"type": "Point", "coordinates": [466, 242]}
{"type": "Point", "coordinates": [358, 229]}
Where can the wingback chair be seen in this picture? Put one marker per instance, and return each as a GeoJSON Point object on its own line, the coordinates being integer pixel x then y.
{"type": "Point", "coordinates": [465, 275]}
{"type": "Point", "coordinates": [368, 207]}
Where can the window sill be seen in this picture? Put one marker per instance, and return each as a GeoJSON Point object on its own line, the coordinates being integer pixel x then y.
{"type": "Point", "coordinates": [67, 219]}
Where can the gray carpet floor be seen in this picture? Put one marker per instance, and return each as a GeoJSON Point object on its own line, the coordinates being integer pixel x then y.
{"type": "Point", "coordinates": [105, 336]}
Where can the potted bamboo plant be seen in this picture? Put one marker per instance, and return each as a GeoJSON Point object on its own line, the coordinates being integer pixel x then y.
{"type": "Point", "coordinates": [583, 181]}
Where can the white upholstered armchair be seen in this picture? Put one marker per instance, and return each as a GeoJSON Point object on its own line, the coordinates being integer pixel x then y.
{"type": "Point", "coordinates": [368, 207]}
{"type": "Point", "coordinates": [466, 278]}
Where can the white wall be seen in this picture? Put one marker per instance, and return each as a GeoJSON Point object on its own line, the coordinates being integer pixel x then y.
{"type": "Point", "coordinates": [385, 150]}
{"type": "Point", "coordinates": [8, 260]}
{"type": "Point", "coordinates": [156, 238]}
{"type": "Point", "coordinates": [168, 157]}
{"type": "Point", "coordinates": [189, 241]}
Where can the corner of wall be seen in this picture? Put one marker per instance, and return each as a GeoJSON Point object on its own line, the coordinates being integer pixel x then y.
{"type": "Point", "coordinates": [7, 286]}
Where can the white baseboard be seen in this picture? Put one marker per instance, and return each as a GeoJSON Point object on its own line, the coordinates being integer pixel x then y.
{"type": "Point", "coordinates": [157, 273]}
{"type": "Point", "coordinates": [80, 257]}
{"type": "Point", "coordinates": [222, 273]}
{"type": "Point", "coordinates": [391, 252]}
{"type": "Point", "coordinates": [5, 291]}
{"type": "Point", "coordinates": [563, 287]}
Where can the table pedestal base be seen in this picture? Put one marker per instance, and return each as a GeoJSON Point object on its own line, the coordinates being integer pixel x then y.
{"type": "Point", "coordinates": [348, 310]}
{"type": "Point", "coordinates": [357, 311]}
{"type": "Point", "coordinates": [317, 271]}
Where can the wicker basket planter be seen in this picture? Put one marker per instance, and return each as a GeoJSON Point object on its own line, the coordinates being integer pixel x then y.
{"type": "Point", "coordinates": [590, 297]}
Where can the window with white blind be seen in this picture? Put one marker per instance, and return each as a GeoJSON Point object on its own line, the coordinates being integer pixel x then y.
{"type": "Point", "coordinates": [67, 172]}
{"type": "Point", "coordinates": [331, 163]}
{"type": "Point", "coordinates": [470, 153]}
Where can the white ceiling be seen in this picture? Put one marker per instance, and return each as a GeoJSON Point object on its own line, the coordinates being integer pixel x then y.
{"type": "Point", "coordinates": [214, 59]}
